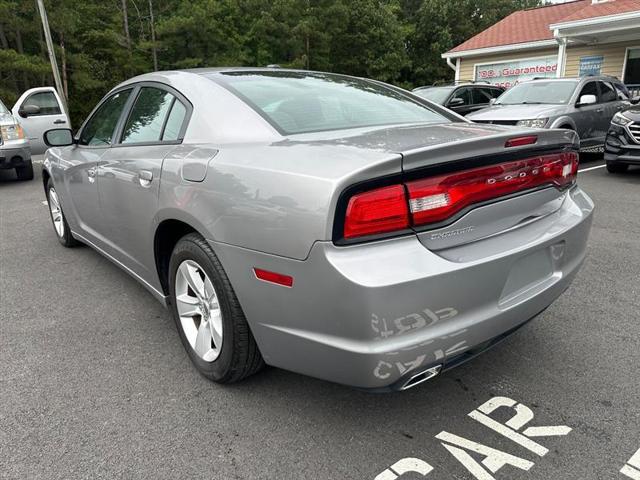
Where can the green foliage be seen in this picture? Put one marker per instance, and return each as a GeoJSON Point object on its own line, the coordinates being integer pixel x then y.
{"type": "Point", "coordinates": [397, 41]}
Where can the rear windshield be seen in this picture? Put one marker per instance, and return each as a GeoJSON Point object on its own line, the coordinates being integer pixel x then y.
{"type": "Point", "coordinates": [301, 102]}
{"type": "Point", "coordinates": [435, 94]}
{"type": "Point", "coordinates": [554, 92]}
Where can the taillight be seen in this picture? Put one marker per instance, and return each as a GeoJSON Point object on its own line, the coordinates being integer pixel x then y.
{"type": "Point", "coordinates": [438, 198]}
{"type": "Point", "coordinates": [435, 199]}
{"type": "Point", "coordinates": [377, 211]}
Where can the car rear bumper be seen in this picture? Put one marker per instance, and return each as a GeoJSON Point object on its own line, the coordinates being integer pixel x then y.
{"type": "Point", "coordinates": [12, 156]}
{"type": "Point", "coordinates": [375, 315]}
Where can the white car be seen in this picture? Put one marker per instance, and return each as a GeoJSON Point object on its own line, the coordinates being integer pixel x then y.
{"type": "Point", "coordinates": [38, 110]}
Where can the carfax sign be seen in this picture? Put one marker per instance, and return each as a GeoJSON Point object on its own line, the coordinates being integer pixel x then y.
{"type": "Point", "coordinates": [591, 65]}
{"type": "Point", "coordinates": [507, 74]}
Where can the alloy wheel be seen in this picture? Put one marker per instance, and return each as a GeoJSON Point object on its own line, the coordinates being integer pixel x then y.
{"type": "Point", "coordinates": [199, 310]}
{"type": "Point", "coordinates": [56, 212]}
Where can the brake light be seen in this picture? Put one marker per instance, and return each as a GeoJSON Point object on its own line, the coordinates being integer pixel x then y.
{"type": "Point", "coordinates": [520, 141]}
{"type": "Point", "coordinates": [435, 199]}
{"type": "Point", "coordinates": [377, 211]}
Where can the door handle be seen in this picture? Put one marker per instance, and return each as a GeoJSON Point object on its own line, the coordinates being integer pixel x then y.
{"type": "Point", "coordinates": [59, 122]}
{"type": "Point", "coordinates": [600, 110]}
{"type": "Point", "coordinates": [145, 177]}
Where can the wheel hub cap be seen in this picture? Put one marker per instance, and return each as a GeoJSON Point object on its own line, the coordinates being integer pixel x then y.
{"type": "Point", "coordinates": [56, 212]}
{"type": "Point", "coordinates": [199, 310]}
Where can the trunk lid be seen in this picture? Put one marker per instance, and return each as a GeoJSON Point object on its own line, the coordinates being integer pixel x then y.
{"type": "Point", "coordinates": [480, 145]}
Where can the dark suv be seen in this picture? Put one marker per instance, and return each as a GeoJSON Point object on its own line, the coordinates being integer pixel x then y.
{"type": "Point", "coordinates": [622, 146]}
{"type": "Point", "coordinates": [461, 98]}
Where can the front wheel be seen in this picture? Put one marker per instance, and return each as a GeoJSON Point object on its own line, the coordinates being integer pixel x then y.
{"type": "Point", "coordinates": [25, 172]}
{"type": "Point", "coordinates": [613, 167]}
{"type": "Point", "coordinates": [60, 225]}
{"type": "Point", "coordinates": [208, 316]}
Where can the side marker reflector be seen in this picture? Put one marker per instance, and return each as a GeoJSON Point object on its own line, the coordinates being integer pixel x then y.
{"type": "Point", "coordinates": [273, 277]}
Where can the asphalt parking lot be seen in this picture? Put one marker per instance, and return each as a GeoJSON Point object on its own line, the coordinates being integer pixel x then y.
{"type": "Point", "coordinates": [94, 382]}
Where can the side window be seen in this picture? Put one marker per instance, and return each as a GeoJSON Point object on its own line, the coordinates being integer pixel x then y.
{"type": "Point", "coordinates": [148, 115]}
{"type": "Point", "coordinates": [46, 101]}
{"type": "Point", "coordinates": [100, 128]}
{"type": "Point", "coordinates": [589, 89]}
{"type": "Point", "coordinates": [480, 96]}
{"type": "Point", "coordinates": [174, 122]}
{"type": "Point", "coordinates": [607, 92]}
{"type": "Point", "coordinates": [621, 90]}
{"type": "Point", "coordinates": [464, 94]}
{"type": "Point", "coordinates": [496, 92]}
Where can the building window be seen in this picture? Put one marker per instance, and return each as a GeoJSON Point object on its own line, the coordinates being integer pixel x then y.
{"type": "Point", "coordinates": [632, 67]}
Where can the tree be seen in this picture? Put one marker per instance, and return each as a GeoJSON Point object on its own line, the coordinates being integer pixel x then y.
{"type": "Point", "coordinates": [99, 44]}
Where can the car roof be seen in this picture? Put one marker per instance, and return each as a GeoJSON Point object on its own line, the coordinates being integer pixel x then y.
{"type": "Point", "coordinates": [574, 79]}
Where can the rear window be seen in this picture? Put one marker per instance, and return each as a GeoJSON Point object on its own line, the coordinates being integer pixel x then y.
{"type": "Point", "coordinates": [302, 102]}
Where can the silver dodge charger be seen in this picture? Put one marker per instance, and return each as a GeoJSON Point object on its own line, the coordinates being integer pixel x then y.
{"type": "Point", "coordinates": [330, 225]}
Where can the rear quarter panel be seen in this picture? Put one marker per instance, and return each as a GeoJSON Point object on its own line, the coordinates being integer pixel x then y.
{"type": "Point", "coordinates": [276, 198]}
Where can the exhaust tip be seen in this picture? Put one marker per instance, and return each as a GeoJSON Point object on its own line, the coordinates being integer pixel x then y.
{"type": "Point", "coordinates": [423, 376]}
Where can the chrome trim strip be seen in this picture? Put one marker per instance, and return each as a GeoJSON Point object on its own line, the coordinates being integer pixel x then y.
{"type": "Point", "coordinates": [635, 135]}
{"type": "Point", "coordinates": [161, 296]}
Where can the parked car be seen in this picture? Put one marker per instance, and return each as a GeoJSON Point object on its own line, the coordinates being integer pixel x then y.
{"type": "Point", "coordinates": [622, 147]}
{"type": "Point", "coordinates": [584, 105]}
{"type": "Point", "coordinates": [14, 147]}
{"type": "Point", "coordinates": [461, 98]}
{"type": "Point", "coordinates": [325, 224]}
{"type": "Point", "coordinates": [38, 110]}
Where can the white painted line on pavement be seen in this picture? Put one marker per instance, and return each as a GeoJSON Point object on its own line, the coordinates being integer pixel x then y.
{"type": "Point", "coordinates": [632, 469]}
{"type": "Point", "coordinates": [592, 168]}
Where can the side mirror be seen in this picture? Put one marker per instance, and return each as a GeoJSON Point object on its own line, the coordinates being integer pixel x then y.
{"type": "Point", "coordinates": [456, 102]}
{"type": "Point", "coordinates": [58, 137]}
{"type": "Point", "coordinates": [29, 110]}
{"type": "Point", "coordinates": [587, 100]}
{"type": "Point", "coordinates": [635, 100]}
{"type": "Point", "coordinates": [492, 101]}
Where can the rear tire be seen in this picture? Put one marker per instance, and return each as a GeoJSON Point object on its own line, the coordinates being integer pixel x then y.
{"type": "Point", "coordinates": [60, 225]}
{"type": "Point", "coordinates": [617, 167]}
{"type": "Point", "coordinates": [232, 353]}
{"type": "Point", "coordinates": [25, 172]}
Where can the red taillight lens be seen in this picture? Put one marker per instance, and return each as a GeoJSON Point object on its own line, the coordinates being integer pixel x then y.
{"type": "Point", "coordinates": [435, 199]}
{"type": "Point", "coordinates": [377, 211]}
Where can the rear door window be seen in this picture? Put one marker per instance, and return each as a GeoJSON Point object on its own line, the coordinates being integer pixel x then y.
{"type": "Point", "coordinates": [173, 126]}
{"type": "Point", "coordinates": [621, 90]}
{"type": "Point", "coordinates": [607, 92]}
{"type": "Point", "coordinates": [46, 101]}
{"type": "Point", "coordinates": [147, 118]}
{"type": "Point", "coordinates": [100, 128]}
{"type": "Point", "coordinates": [480, 96]}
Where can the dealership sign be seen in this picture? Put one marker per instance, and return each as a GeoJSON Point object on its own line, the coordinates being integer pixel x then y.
{"type": "Point", "coordinates": [507, 74]}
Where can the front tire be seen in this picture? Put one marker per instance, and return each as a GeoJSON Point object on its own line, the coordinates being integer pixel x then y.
{"type": "Point", "coordinates": [208, 316]}
{"type": "Point", "coordinates": [613, 167]}
{"type": "Point", "coordinates": [26, 171]}
{"type": "Point", "coordinates": [60, 225]}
